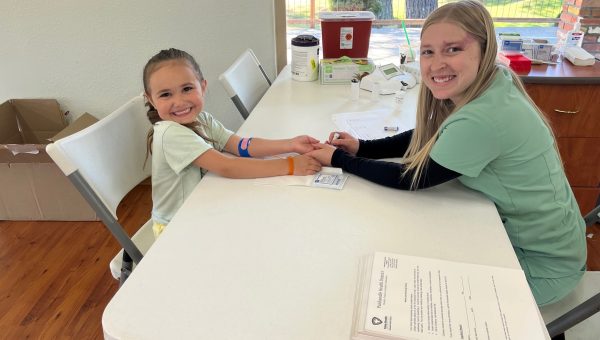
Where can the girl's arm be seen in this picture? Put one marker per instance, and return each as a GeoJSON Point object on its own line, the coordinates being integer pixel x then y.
{"type": "Point", "coordinates": [238, 167]}
{"type": "Point", "coordinates": [260, 147]}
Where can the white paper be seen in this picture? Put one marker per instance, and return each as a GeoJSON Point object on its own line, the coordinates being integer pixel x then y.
{"type": "Point", "coordinates": [422, 298]}
{"type": "Point", "coordinates": [16, 149]}
{"type": "Point", "coordinates": [303, 181]}
{"type": "Point", "coordinates": [368, 124]}
{"type": "Point", "coordinates": [330, 178]}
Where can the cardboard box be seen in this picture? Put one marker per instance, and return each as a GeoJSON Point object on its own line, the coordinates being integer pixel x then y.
{"type": "Point", "coordinates": [342, 70]}
{"type": "Point", "coordinates": [32, 187]}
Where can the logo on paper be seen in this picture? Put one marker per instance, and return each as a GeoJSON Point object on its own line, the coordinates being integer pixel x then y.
{"type": "Point", "coordinates": [376, 321]}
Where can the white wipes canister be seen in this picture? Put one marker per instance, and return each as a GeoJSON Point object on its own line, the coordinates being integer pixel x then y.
{"type": "Point", "coordinates": [305, 58]}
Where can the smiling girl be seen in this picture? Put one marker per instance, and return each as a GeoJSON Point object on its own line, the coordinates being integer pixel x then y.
{"type": "Point", "coordinates": [476, 123]}
{"type": "Point", "coordinates": [186, 141]}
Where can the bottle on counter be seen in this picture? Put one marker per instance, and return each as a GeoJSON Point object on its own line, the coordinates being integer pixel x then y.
{"type": "Point", "coordinates": [575, 36]}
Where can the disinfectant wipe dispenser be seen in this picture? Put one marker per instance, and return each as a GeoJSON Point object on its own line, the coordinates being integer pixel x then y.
{"type": "Point", "coordinates": [305, 58]}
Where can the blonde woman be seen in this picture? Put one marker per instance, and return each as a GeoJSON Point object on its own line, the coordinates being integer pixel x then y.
{"type": "Point", "coordinates": [476, 123]}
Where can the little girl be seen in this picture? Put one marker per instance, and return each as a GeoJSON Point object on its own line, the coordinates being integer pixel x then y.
{"type": "Point", "coordinates": [186, 142]}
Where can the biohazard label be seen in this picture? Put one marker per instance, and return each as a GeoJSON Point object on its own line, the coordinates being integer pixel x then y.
{"type": "Point", "coordinates": [346, 38]}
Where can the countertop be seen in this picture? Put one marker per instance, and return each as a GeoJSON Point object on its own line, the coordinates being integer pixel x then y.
{"type": "Point", "coordinates": [563, 73]}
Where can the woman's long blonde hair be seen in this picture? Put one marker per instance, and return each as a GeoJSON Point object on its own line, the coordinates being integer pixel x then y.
{"type": "Point", "coordinates": [473, 18]}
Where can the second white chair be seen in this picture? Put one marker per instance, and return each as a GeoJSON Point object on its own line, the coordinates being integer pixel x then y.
{"type": "Point", "coordinates": [245, 82]}
{"type": "Point", "coordinates": [576, 316]}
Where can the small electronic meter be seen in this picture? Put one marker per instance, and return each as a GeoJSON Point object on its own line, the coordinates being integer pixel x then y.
{"type": "Point", "coordinates": [389, 78]}
{"type": "Point", "coordinates": [390, 71]}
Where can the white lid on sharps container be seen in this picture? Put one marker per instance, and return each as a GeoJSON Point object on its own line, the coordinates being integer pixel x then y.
{"type": "Point", "coordinates": [347, 16]}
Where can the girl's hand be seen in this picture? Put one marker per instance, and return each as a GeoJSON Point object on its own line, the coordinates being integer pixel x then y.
{"type": "Point", "coordinates": [303, 144]}
{"type": "Point", "coordinates": [344, 141]}
{"type": "Point", "coordinates": [322, 153]}
{"type": "Point", "coordinates": [305, 165]}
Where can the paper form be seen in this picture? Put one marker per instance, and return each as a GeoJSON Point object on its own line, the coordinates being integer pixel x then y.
{"type": "Point", "coordinates": [328, 177]}
{"type": "Point", "coordinates": [368, 124]}
{"type": "Point", "coordinates": [325, 179]}
{"type": "Point", "coordinates": [421, 298]}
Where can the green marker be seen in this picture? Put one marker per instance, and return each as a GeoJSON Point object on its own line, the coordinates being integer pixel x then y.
{"type": "Point", "coordinates": [412, 55]}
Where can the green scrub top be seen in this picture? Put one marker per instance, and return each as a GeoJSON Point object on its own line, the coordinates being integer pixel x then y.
{"type": "Point", "coordinates": [502, 148]}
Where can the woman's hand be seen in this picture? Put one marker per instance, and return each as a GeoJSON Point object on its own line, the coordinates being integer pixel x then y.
{"type": "Point", "coordinates": [305, 165]}
{"type": "Point", "coordinates": [322, 153]}
{"type": "Point", "coordinates": [344, 141]}
{"type": "Point", "coordinates": [302, 144]}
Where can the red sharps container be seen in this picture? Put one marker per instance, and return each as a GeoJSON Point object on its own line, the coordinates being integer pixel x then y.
{"type": "Point", "coordinates": [346, 33]}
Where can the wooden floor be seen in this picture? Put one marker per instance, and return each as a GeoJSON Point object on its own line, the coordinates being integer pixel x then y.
{"type": "Point", "coordinates": [54, 277]}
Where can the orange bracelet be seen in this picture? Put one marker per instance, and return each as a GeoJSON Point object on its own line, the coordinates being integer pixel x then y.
{"type": "Point", "coordinates": [290, 165]}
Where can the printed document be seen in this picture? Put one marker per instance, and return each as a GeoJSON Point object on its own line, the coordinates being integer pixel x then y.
{"type": "Point", "coordinates": [407, 297]}
{"type": "Point", "coordinates": [328, 177]}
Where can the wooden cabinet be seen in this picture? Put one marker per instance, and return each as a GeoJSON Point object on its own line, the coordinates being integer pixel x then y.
{"type": "Point", "coordinates": [574, 113]}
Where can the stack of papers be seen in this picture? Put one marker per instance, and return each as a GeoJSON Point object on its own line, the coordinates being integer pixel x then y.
{"type": "Point", "coordinates": [407, 297]}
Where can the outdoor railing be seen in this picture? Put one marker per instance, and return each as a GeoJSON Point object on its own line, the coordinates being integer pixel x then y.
{"type": "Point", "coordinates": [413, 12]}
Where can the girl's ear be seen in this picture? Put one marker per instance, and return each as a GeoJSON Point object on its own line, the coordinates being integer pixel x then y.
{"type": "Point", "coordinates": [148, 99]}
{"type": "Point", "coordinates": [203, 86]}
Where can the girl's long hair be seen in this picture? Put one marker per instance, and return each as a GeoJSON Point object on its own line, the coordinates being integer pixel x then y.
{"type": "Point", "coordinates": [151, 66]}
{"type": "Point", "coordinates": [473, 18]}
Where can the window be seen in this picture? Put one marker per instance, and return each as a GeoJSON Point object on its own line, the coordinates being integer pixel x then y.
{"type": "Point", "coordinates": [530, 18]}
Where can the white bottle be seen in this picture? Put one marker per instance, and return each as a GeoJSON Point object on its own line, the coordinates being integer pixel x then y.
{"type": "Point", "coordinates": [376, 91]}
{"type": "Point", "coordinates": [354, 89]}
{"type": "Point", "coordinates": [399, 97]}
{"type": "Point", "coordinates": [575, 36]}
{"type": "Point", "coordinates": [305, 58]}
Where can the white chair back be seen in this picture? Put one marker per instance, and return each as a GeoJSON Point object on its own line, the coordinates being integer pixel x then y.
{"type": "Point", "coordinates": [245, 82]}
{"type": "Point", "coordinates": [109, 154]}
{"type": "Point", "coordinates": [105, 161]}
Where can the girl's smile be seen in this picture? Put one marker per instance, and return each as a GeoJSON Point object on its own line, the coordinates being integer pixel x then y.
{"type": "Point", "coordinates": [182, 112]}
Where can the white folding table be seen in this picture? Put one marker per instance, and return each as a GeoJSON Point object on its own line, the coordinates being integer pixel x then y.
{"type": "Point", "coordinates": [248, 261]}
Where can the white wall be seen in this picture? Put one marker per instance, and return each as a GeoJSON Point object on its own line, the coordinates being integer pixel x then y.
{"type": "Point", "coordinates": [89, 54]}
